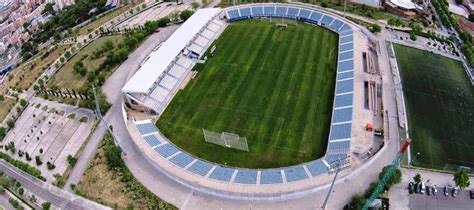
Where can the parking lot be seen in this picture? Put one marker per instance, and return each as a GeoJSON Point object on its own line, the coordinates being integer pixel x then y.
{"type": "Point", "coordinates": [440, 201]}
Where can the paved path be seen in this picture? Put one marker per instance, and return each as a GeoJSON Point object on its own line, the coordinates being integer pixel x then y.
{"type": "Point", "coordinates": [55, 196]}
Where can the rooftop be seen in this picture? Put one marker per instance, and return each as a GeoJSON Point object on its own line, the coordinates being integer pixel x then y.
{"type": "Point", "coordinates": [160, 59]}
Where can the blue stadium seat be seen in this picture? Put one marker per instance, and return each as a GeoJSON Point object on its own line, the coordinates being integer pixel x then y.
{"type": "Point", "coordinates": [317, 168]}
{"type": "Point", "coordinates": [342, 131]}
{"type": "Point", "coordinates": [246, 177]}
{"type": "Point", "coordinates": [166, 150]}
{"type": "Point", "coordinates": [344, 100]}
{"type": "Point", "coordinates": [345, 66]}
{"type": "Point", "coordinates": [346, 28]}
{"type": "Point", "coordinates": [326, 20]}
{"type": "Point", "coordinates": [222, 174]}
{"type": "Point", "coordinates": [200, 168]}
{"type": "Point", "coordinates": [257, 11]}
{"type": "Point", "coordinates": [281, 11]}
{"type": "Point", "coordinates": [336, 24]}
{"type": "Point", "coordinates": [245, 12]}
{"type": "Point", "coordinates": [341, 146]}
{"type": "Point", "coordinates": [146, 128]}
{"type": "Point", "coordinates": [304, 14]}
{"type": "Point", "coordinates": [292, 12]}
{"type": "Point", "coordinates": [295, 174]}
{"type": "Point", "coordinates": [315, 16]}
{"type": "Point", "coordinates": [346, 55]}
{"type": "Point", "coordinates": [334, 157]}
{"type": "Point", "coordinates": [346, 39]}
{"type": "Point", "coordinates": [342, 115]}
{"type": "Point", "coordinates": [345, 75]}
{"type": "Point", "coordinates": [152, 140]}
{"type": "Point", "coordinates": [182, 159]}
{"type": "Point", "coordinates": [233, 14]}
{"type": "Point", "coordinates": [271, 176]}
{"type": "Point", "coordinates": [344, 86]}
{"type": "Point", "coordinates": [345, 47]}
{"type": "Point", "coordinates": [269, 11]}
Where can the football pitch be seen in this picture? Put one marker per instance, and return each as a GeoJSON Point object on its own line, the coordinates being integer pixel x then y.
{"type": "Point", "coordinates": [272, 85]}
{"type": "Point", "coordinates": [440, 105]}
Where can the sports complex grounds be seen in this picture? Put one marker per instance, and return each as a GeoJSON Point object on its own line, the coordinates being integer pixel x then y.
{"type": "Point", "coordinates": [439, 100]}
{"type": "Point", "coordinates": [272, 85]}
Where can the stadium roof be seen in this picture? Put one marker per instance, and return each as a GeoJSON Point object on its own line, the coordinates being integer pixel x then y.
{"type": "Point", "coordinates": [160, 59]}
{"type": "Point", "coordinates": [407, 4]}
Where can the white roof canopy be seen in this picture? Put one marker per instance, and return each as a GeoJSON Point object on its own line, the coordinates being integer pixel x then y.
{"type": "Point", "coordinates": [408, 4]}
{"type": "Point", "coordinates": [160, 59]}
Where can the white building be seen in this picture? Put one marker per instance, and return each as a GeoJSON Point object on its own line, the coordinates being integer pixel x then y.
{"type": "Point", "coordinates": [158, 79]}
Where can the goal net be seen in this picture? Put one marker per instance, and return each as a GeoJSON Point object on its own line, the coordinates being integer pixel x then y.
{"type": "Point", "coordinates": [229, 140]}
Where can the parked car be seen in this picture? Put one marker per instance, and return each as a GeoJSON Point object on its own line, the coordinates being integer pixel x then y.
{"type": "Point", "coordinates": [472, 193]}
{"type": "Point", "coordinates": [428, 190]}
{"type": "Point", "coordinates": [422, 188]}
{"type": "Point", "coordinates": [455, 192]}
{"type": "Point", "coordinates": [411, 187]}
{"type": "Point", "coordinates": [435, 190]}
{"type": "Point", "coordinates": [446, 191]}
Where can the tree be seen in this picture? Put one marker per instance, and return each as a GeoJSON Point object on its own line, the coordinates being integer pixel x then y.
{"type": "Point", "coordinates": [461, 178]}
{"type": "Point", "coordinates": [46, 205]}
{"type": "Point", "coordinates": [185, 14]}
{"type": "Point", "coordinates": [458, 2]}
{"type": "Point", "coordinates": [10, 123]}
{"type": "Point", "coordinates": [22, 102]}
{"type": "Point", "coordinates": [71, 160]}
{"type": "Point", "coordinates": [417, 178]}
{"type": "Point", "coordinates": [195, 5]}
{"type": "Point", "coordinates": [375, 28]}
{"type": "Point", "coordinates": [3, 132]}
{"type": "Point", "coordinates": [471, 17]}
{"type": "Point", "coordinates": [357, 202]}
{"type": "Point", "coordinates": [412, 36]}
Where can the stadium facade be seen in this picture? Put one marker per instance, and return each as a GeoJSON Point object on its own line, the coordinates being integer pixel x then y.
{"type": "Point", "coordinates": [159, 78]}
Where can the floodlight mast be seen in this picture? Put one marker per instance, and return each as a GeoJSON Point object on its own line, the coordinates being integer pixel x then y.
{"type": "Point", "coordinates": [388, 174]}
{"type": "Point", "coordinates": [338, 163]}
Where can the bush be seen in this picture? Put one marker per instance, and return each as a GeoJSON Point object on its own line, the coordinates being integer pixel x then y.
{"type": "Point", "coordinates": [3, 132]}
{"type": "Point", "coordinates": [71, 160]}
{"type": "Point", "coordinates": [22, 102]}
{"type": "Point", "coordinates": [46, 205]}
{"type": "Point", "coordinates": [186, 14]}
{"type": "Point", "coordinates": [11, 123]}
{"type": "Point", "coordinates": [50, 165]}
{"type": "Point", "coordinates": [22, 166]}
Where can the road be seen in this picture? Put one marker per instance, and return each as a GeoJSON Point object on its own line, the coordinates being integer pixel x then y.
{"type": "Point", "coordinates": [55, 196]}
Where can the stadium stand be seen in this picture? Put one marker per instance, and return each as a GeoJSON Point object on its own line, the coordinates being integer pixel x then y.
{"type": "Point", "coordinates": [182, 160]}
{"type": "Point", "coordinates": [271, 177]}
{"type": "Point", "coordinates": [246, 177]}
{"type": "Point", "coordinates": [339, 141]}
{"type": "Point", "coordinates": [222, 174]}
{"type": "Point", "coordinates": [200, 167]}
{"type": "Point", "coordinates": [295, 174]}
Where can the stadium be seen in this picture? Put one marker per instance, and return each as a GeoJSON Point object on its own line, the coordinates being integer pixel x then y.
{"type": "Point", "coordinates": [282, 85]}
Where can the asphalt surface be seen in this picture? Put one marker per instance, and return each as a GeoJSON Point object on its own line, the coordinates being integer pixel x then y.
{"type": "Point", "coordinates": [441, 202]}
{"type": "Point", "coordinates": [55, 196]}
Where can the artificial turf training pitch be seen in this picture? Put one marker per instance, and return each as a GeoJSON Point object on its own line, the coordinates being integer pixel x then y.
{"type": "Point", "coordinates": [440, 103]}
{"type": "Point", "coordinates": [272, 85]}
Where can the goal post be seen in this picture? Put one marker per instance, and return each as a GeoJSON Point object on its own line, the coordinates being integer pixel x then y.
{"type": "Point", "coordinates": [225, 139]}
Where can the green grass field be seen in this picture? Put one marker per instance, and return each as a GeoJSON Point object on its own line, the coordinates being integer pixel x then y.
{"type": "Point", "coordinates": [440, 106]}
{"type": "Point", "coordinates": [272, 85]}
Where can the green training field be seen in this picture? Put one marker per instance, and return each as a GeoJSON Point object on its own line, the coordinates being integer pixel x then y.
{"type": "Point", "coordinates": [440, 106]}
{"type": "Point", "coordinates": [272, 85]}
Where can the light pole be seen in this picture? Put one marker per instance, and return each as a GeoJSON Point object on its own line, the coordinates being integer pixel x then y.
{"type": "Point", "coordinates": [345, 6]}
{"type": "Point", "coordinates": [336, 166]}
